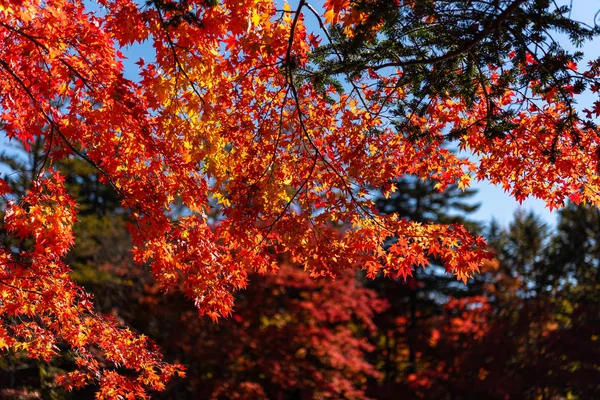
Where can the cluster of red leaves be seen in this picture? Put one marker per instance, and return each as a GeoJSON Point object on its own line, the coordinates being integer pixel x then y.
{"type": "Point", "coordinates": [325, 323]}
{"type": "Point", "coordinates": [44, 313]}
{"type": "Point", "coordinates": [289, 334]}
{"type": "Point", "coordinates": [309, 334]}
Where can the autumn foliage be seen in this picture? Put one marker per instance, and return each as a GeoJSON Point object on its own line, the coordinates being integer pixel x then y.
{"type": "Point", "coordinates": [236, 148]}
{"type": "Point", "coordinates": [289, 335]}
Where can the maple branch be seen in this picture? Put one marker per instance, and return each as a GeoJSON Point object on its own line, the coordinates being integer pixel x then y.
{"type": "Point", "coordinates": [568, 101]}
{"type": "Point", "coordinates": [318, 153]}
{"type": "Point", "coordinates": [47, 153]}
{"type": "Point", "coordinates": [355, 88]}
{"type": "Point", "coordinates": [175, 56]}
{"type": "Point", "coordinates": [557, 125]}
{"type": "Point", "coordinates": [324, 29]}
{"type": "Point", "coordinates": [40, 45]}
{"type": "Point", "coordinates": [293, 89]}
{"type": "Point", "coordinates": [21, 289]}
{"type": "Point", "coordinates": [57, 129]}
{"type": "Point", "coordinates": [275, 148]}
{"type": "Point", "coordinates": [34, 39]}
{"type": "Point", "coordinates": [316, 228]}
{"type": "Point", "coordinates": [489, 105]}
{"type": "Point", "coordinates": [51, 121]}
{"type": "Point", "coordinates": [289, 203]}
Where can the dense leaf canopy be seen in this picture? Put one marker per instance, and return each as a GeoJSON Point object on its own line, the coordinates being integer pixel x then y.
{"type": "Point", "coordinates": [246, 140]}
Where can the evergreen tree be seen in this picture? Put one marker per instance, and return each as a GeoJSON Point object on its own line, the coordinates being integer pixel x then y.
{"type": "Point", "coordinates": [452, 47]}
{"type": "Point", "coordinates": [538, 325]}
{"type": "Point", "coordinates": [572, 349]}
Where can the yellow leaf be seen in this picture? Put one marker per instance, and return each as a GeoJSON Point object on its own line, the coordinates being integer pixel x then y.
{"type": "Point", "coordinates": [464, 182]}
{"type": "Point", "coordinates": [329, 17]}
{"type": "Point", "coordinates": [255, 18]}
